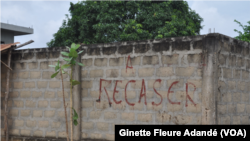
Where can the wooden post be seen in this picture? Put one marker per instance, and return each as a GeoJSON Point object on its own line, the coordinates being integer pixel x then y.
{"type": "Point", "coordinates": [6, 65]}
{"type": "Point", "coordinates": [6, 97]}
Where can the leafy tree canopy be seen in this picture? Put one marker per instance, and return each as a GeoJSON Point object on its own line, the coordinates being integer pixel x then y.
{"type": "Point", "coordinates": [115, 21]}
{"type": "Point", "coordinates": [246, 29]}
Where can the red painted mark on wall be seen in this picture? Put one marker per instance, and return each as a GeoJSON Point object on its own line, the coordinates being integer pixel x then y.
{"type": "Point", "coordinates": [174, 83]}
{"type": "Point", "coordinates": [115, 91]}
{"type": "Point", "coordinates": [143, 94]}
{"type": "Point", "coordinates": [132, 104]}
{"type": "Point", "coordinates": [187, 95]}
{"type": "Point", "coordinates": [153, 103]}
{"type": "Point", "coordinates": [100, 91]}
{"type": "Point", "coordinates": [203, 60]}
{"type": "Point", "coordinates": [169, 65]}
{"type": "Point", "coordinates": [131, 67]}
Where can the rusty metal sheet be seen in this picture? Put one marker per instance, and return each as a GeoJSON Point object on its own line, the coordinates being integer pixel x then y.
{"type": "Point", "coordinates": [6, 46]}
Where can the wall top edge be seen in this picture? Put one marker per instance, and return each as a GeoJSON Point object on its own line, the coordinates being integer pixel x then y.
{"type": "Point", "coordinates": [150, 41]}
{"type": "Point", "coordinates": [117, 44]}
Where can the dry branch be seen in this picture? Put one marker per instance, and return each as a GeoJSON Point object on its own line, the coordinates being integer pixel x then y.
{"type": "Point", "coordinates": [24, 44]}
{"type": "Point", "coordinates": [65, 110]}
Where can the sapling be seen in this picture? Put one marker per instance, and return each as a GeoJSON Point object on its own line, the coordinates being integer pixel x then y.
{"type": "Point", "coordinates": [58, 69]}
{"type": "Point", "coordinates": [71, 62]}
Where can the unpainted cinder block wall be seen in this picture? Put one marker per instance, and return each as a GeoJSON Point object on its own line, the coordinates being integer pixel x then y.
{"type": "Point", "coordinates": [142, 82]}
{"type": "Point", "coordinates": [35, 100]}
{"type": "Point", "coordinates": [234, 81]}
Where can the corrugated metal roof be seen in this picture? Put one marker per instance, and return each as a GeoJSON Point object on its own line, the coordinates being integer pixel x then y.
{"type": "Point", "coordinates": [6, 46]}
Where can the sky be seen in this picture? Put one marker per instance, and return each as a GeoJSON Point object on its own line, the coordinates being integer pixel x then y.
{"type": "Point", "coordinates": [46, 17]}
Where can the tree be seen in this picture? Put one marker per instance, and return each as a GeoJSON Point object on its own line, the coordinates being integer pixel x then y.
{"type": "Point", "coordinates": [116, 21]}
{"type": "Point", "coordinates": [71, 62]}
{"type": "Point", "coordinates": [246, 29]}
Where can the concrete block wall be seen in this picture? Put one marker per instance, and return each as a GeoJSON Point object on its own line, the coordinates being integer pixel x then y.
{"type": "Point", "coordinates": [35, 100]}
{"type": "Point", "coordinates": [234, 81]}
{"type": "Point", "coordinates": [143, 82]}
{"type": "Point", "coordinates": [163, 69]}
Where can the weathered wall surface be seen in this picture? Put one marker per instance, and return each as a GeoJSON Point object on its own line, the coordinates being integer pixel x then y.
{"type": "Point", "coordinates": [35, 100]}
{"type": "Point", "coordinates": [166, 71]}
{"type": "Point", "coordinates": [145, 82]}
{"type": "Point", "coordinates": [234, 81]}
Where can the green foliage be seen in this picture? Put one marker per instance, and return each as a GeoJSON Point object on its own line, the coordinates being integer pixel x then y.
{"type": "Point", "coordinates": [246, 29]}
{"type": "Point", "coordinates": [52, 66]}
{"type": "Point", "coordinates": [57, 66]}
{"type": "Point", "coordinates": [71, 60]}
{"type": "Point", "coordinates": [65, 66]}
{"type": "Point", "coordinates": [75, 117]}
{"type": "Point", "coordinates": [54, 75]}
{"type": "Point", "coordinates": [65, 53]}
{"type": "Point", "coordinates": [74, 82]}
{"type": "Point", "coordinates": [72, 55]}
{"type": "Point", "coordinates": [116, 21]}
